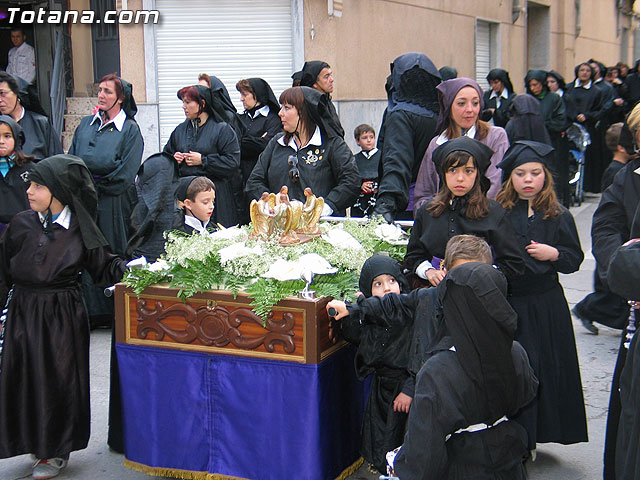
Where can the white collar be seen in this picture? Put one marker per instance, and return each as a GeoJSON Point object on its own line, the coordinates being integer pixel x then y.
{"type": "Point", "coordinates": [370, 153]}
{"type": "Point", "coordinates": [637, 171]}
{"type": "Point", "coordinates": [586, 87]}
{"type": "Point", "coordinates": [471, 133]}
{"type": "Point", "coordinates": [196, 224]}
{"type": "Point", "coordinates": [316, 139]}
{"type": "Point", "coordinates": [503, 94]}
{"type": "Point", "coordinates": [453, 348]}
{"type": "Point", "coordinates": [118, 120]}
{"type": "Point", "coordinates": [264, 111]}
{"type": "Point", "coordinates": [64, 219]}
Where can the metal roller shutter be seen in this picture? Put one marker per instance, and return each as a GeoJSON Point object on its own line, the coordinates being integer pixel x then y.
{"type": "Point", "coordinates": [483, 52]}
{"type": "Point", "coordinates": [231, 39]}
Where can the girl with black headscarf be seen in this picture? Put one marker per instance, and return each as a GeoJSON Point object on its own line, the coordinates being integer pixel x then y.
{"type": "Point", "coordinates": [476, 378]}
{"type": "Point", "coordinates": [461, 206]}
{"type": "Point", "coordinates": [14, 165]}
{"type": "Point", "coordinates": [44, 369]}
{"type": "Point", "coordinates": [205, 145]}
{"type": "Point", "coordinates": [549, 242]}
{"type": "Point", "coordinates": [310, 153]}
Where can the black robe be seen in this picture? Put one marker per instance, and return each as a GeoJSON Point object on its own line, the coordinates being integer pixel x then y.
{"type": "Point", "coordinates": [545, 328]}
{"type": "Point", "coordinates": [588, 101]}
{"type": "Point", "coordinates": [383, 350]}
{"type": "Point", "coordinates": [113, 158]}
{"type": "Point", "coordinates": [13, 191]}
{"type": "Point", "coordinates": [44, 378]}
{"type": "Point", "coordinates": [446, 400]}
{"type": "Point", "coordinates": [429, 236]}
{"type": "Point", "coordinates": [41, 140]}
{"type": "Point", "coordinates": [220, 150]}
{"type": "Point", "coordinates": [328, 169]}
{"type": "Point", "coordinates": [500, 115]}
{"type": "Point", "coordinates": [406, 138]}
{"type": "Point", "coordinates": [611, 227]}
{"type": "Point", "coordinates": [259, 130]}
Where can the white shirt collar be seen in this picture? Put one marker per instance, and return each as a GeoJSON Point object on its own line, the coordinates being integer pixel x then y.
{"type": "Point", "coordinates": [316, 139]}
{"type": "Point", "coordinates": [370, 153]}
{"type": "Point", "coordinates": [503, 94]}
{"type": "Point", "coordinates": [196, 224]}
{"type": "Point", "coordinates": [264, 111]}
{"type": "Point", "coordinates": [586, 87]}
{"type": "Point", "coordinates": [118, 120]}
{"type": "Point", "coordinates": [471, 133]}
{"type": "Point", "coordinates": [64, 219]}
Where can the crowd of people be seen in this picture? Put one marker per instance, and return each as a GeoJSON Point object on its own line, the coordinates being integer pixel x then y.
{"type": "Point", "coordinates": [477, 362]}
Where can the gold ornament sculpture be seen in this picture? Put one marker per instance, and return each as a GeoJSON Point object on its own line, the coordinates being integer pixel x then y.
{"type": "Point", "coordinates": [276, 214]}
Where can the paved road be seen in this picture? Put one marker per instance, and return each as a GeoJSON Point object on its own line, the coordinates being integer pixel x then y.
{"type": "Point", "coordinates": [557, 462]}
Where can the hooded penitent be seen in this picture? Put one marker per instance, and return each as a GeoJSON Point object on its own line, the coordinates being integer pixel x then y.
{"type": "Point", "coordinates": [69, 180]}
{"type": "Point", "coordinates": [483, 325]}
{"type": "Point", "coordinates": [479, 151]}
{"type": "Point", "coordinates": [414, 78]}
{"type": "Point", "coordinates": [447, 91]}
{"type": "Point", "coordinates": [526, 120]}
{"type": "Point", "coordinates": [154, 213]}
{"type": "Point", "coordinates": [380, 265]}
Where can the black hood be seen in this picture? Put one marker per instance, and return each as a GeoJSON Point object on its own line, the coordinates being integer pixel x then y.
{"type": "Point", "coordinates": [503, 76]}
{"type": "Point", "coordinates": [414, 79]}
{"type": "Point", "coordinates": [128, 103]}
{"type": "Point", "coordinates": [380, 265]}
{"type": "Point", "coordinates": [317, 104]}
{"type": "Point", "coordinates": [310, 72]}
{"type": "Point", "coordinates": [16, 130]}
{"type": "Point", "coordinates": [264, 93]}
{"type": "Point", "coordinates": [539, 75]}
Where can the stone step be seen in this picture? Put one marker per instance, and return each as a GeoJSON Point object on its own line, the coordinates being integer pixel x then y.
{"type": "Point", "coordinates": [67, 138]}
{"type": "Point", "coordinates": [71, 122]}
{"type": "Point", "coordinates": [81, 105]}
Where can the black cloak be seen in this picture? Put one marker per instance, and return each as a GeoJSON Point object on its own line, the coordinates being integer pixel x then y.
{"type": "Point", "coordinates": [155, 211]}
{"type": "Point", "coordinates": [409, 125]}
{"type": "Point", "coordinates": [526, 120]}
{"type": "Point", "coordinates": [476, 374]}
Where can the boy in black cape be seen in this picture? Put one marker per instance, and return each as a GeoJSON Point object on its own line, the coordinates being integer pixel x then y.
{"type": "Point", "coordinates": [44, 376]}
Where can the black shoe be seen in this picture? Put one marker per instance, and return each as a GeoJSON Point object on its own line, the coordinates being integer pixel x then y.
{"type": "Point", "coordinates": [588, 324]}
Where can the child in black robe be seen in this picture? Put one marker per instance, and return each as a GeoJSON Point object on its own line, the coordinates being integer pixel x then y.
{"type": "Point", "coordinates": [14, 165]}
{"type": "Point", "coordinates": [383, 351]}
{"type": "Point", "coordinates": [196, 197]}
{"type": "Point", "coordinates": [475, 379]}
{"type": "Point", "coordinates": [44, 365]}
{"type": "Point", "coordinates": [367, 161]}
{"type": "Point", "coordinates": [550, 245]}
{"type": "Point", "coordinates": [461, 206]}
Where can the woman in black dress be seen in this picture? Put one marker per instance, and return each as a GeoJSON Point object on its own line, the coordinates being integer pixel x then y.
{"type": "Point", "coordinates": [205, 145]}
{"type": "Point", "coordinates": [310, 153]}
